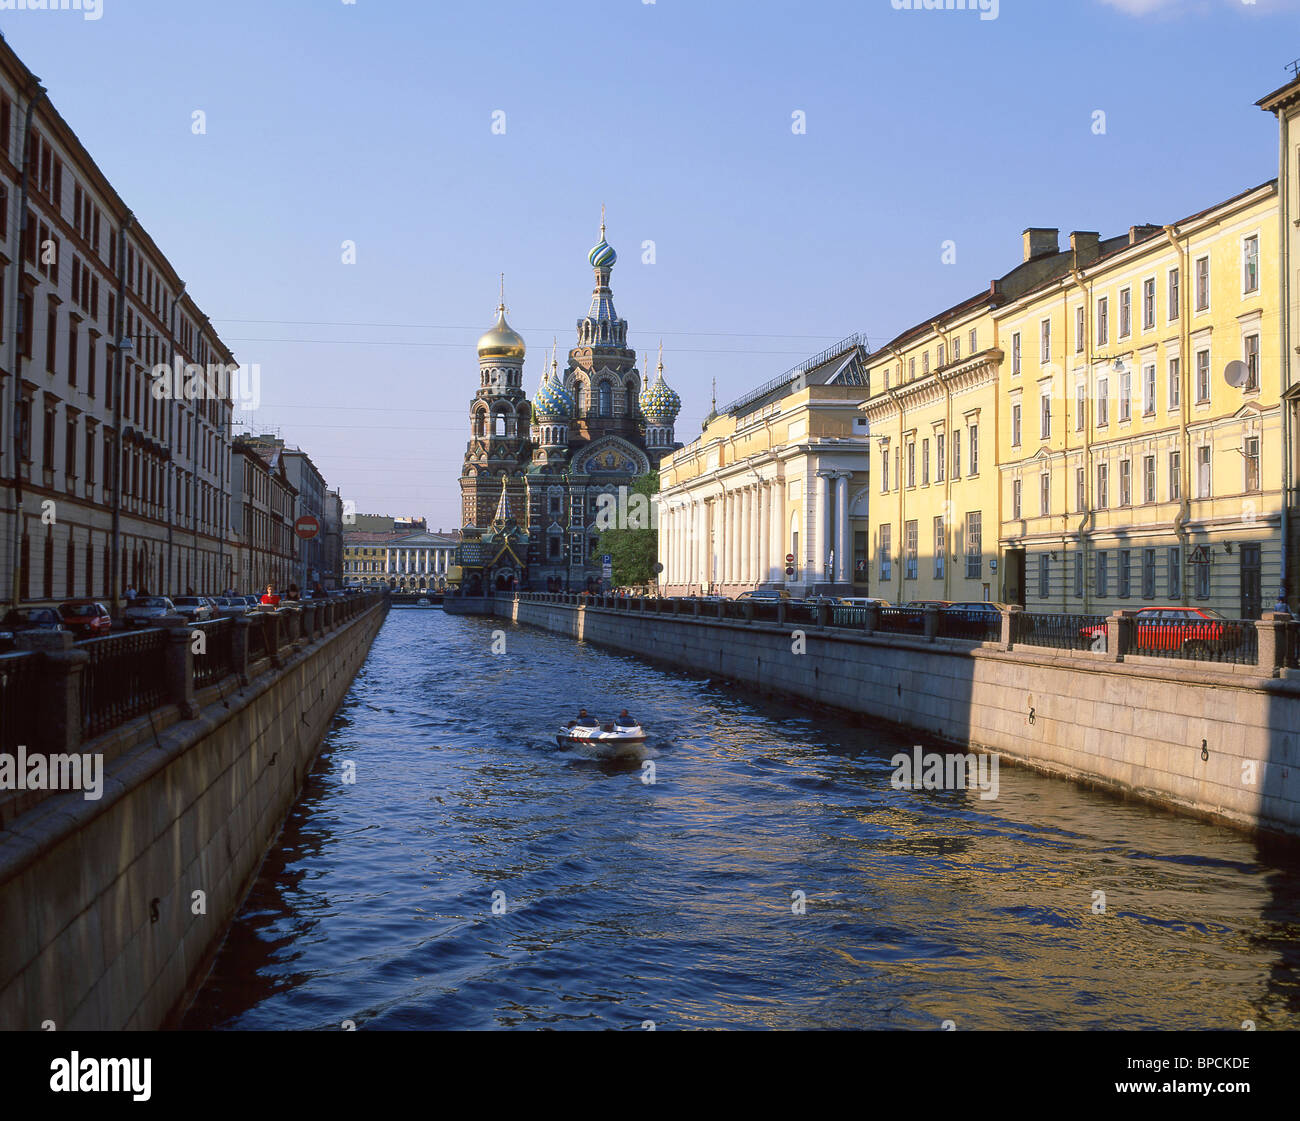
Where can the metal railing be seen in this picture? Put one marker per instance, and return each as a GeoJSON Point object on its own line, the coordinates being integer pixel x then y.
{"type": "Point", "coordinates": [125, 677]}
{"type": "Point", "coordinates": [1234, 641]}
{"type": "Point", "coordinates": [852, 342]}
{"type": "Point", "coordinates": [901, 620]}
{"type": "Point", "coordinates": [216, 658]}
{"type": "Point", "coordinates": [1059, 632]}
{"type": "Point", "coordinates": [971, 626]}
{"type": "Point", "coordinates": [257, 636]}
{"type": "Point", "coordinates": [19, 700]}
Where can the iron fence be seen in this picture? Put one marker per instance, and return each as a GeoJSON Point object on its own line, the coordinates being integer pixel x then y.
{"type": "Point", "coordinates": [19, 701]}
{"type": "Point", "coordinates": [257, 637]}
{"type": "Point", "coordinates": [902, 620]}
{"type": "Point", "coordinates": [1059, 632]}
{"type": "Point", "coordinates": [125, 676]}
{"type": "Point", "coordinates": [974, 625]}
{"type": "Point", "coordinates": [1234, 641]}
{"type": "Point", "coordinates": [217, 657]}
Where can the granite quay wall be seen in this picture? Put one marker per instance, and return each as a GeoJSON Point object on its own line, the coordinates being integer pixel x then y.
{"type": "Point", "coordinates": [1218, 740]}
{"type": "Point", "coordinates": [111, 909]}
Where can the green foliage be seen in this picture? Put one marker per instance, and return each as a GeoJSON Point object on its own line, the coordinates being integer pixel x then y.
{"type": "Point", "coordinates": [634, 551]}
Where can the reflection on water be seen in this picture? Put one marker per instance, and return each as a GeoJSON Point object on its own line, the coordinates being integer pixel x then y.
{"type": "Point", "coordinates": [674, 902]}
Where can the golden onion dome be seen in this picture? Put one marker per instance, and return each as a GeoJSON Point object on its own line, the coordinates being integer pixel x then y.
{"type": "Point", "coordinates": [501, 341]}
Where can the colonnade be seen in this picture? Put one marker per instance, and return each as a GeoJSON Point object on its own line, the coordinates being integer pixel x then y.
{"type": "Point", "coordinates": [739, 536]}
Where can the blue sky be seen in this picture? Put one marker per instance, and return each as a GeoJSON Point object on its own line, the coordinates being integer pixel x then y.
{"type": "Point", "coordinates": [372, 122]}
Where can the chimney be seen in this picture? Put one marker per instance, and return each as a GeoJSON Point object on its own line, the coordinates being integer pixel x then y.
{"type": "Point", "coordinates": [1040, 242]}
{"type": "Point", "coordinates": [1141, 233]}
{"type": "Point", "coordinates": [1086, 246]}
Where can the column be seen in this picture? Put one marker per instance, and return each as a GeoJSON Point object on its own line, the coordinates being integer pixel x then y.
{"type": "Point", "coordinates": [764, 534]}
{"type": "Point", "coordinates": [701, 528]}
{"type": "Point", "coordinates": [751, 536]}
{"type": "Point", "coordinates": [742, 576]}
{"type": "Point", "coordinates": [730, 538]}
{"type": "Point", "coordinates": [843, 573]}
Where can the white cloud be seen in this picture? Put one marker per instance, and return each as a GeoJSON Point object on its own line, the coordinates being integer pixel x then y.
{"type": "Point", "coordinates": [1153, 7]}
{"type": "Point", "coordinates": [1141, 7]}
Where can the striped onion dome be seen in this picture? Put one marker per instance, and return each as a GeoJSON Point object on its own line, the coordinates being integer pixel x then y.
{"type": "Point", "coordinates": [659, 403]}
{"type": "Point", "coordinates": [602, 256]}
{"type": "Point", "coordinates": [552, 399]}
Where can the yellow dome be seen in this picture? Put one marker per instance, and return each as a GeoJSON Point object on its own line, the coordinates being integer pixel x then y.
{"type": "Point", "coordinates": [501, 341]}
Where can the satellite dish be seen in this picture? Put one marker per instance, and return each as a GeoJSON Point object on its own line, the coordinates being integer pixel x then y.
{"type": "Point", "coordinates": [1234, 373]}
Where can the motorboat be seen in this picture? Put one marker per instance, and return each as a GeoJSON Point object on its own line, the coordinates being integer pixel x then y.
{"type": "Point", "coordinates": [604, 739]}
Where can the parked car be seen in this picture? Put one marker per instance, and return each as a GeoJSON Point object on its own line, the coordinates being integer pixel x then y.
{"type": "Point", "coordinates": [922, 604]}
{"type": "Point", "coordinates": [25, 620]}
{"type": "Point", "coordinates": [861, 601]}
{"type": "Point", "coordinates": [1194, 631]}
{"type": "Point", "coordinates": [145, 611]}
{"type": "Point", "coordinates": [974, 620]}
{"type": "Point", "coordinates": [765, 595]}
{"type": "Point", "coordinates": [230, 606]}
{"type": "Point", "coordinates": [85, 618]}
{"type": "Point", "coordinates": [193, 608]}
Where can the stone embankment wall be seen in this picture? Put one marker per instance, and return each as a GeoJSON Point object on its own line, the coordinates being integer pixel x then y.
{"type": "Point", "coordinates": [1216, 741]}
{"type": "Point", "coordinates": [101, 926]}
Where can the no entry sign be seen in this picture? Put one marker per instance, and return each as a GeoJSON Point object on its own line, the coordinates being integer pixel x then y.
{"type": "Point", "coordinates": [307, 527]}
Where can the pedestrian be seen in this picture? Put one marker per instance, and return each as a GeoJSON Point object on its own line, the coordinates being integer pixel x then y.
{"type": "Point", "coordinates": [293, 596]}
{"type": "Point", "coordinates": [1281, 608]}
{"type": "Point", "coordinates": [130, 594]}
{"type": "Point", "coordinates": [270, 599]}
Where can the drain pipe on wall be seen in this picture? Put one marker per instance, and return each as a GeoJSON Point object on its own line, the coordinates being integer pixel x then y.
{"type": "Point", "coordinates": [1184, 344]}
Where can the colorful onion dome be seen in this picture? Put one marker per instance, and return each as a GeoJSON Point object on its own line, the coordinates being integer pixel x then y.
{"type": "Point", "coordinates": [602, 255]}
{"type": "Point", "coordinates": [659, 402]}
{"type": "Point", "coordinates": [553, 400]}
{"type": "Point", "coordinates": [501, 341]}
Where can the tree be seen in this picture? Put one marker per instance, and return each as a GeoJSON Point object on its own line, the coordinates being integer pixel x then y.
{"type": "Point", "coordinates": [630, 542]}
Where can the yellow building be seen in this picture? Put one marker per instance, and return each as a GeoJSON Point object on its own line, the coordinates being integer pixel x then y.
{"type": "Point", "coordinates": [933, 420]}
{"type": "Point", "coordinates": [1139, 435]}
{"type": "Point", "coordinates": [782, 472]}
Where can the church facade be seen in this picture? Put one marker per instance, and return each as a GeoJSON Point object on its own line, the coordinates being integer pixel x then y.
{"type": "Point", "coordinates": [534, 472]}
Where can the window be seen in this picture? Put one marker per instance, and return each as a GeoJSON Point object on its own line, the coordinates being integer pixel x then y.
{"type": "Point", "coordinates": [1103, 486]}
{"type": "Point", "coordinates": [1078, 576]}
{"type": "Point", "coordinates": [1078, 330]}
{"type": "Point", "coordinates": [1175, 304]}
{"type": "Point", "coordinates": [1045, 341]}
{"type": "Point", "coordinates": [1045, 416]}
{"type": "Point", "coordinates": [884, 470]}
{"type": "Point", "coordinates": [1149, 389]}
{"type": "Point", "coordinates": [940, 355]}
{"type": "Point", "coordinates": [1250, 265]}
{"type": "Point", "coordinates": [70, 451]}
{"type": "Point", "coordinates": [1202, 376]}
{"type": "Point", "coordinates": [1103, 321]}
{"type": "Point", "coordinates": [1044, 575]}
{"type": "Point", "coordinates": [1252, 363]}
{"type": "Point", "coordinates": [973, 446]}
{"type": "Point", "coordinates": [1175, 476]}
{"type": "Point", "coordinates": [1125, 573]}
{"type": "Point", "coordinates": [1203, 579]}
{"type": "Point", "coordinates": [925, 463]}
{"type": "Point", "coordinates": [910, 562]}
{"type": "Point", "coordinates": [1103, 402]}
{"type": "Point", "coordinates": [1103, 579]}
{"type": "Point", "coordinates": [51, 333]}
{"type": "Point", "coordinates": [1149, 478]}
{"type": "Point", "coordinates": [898, 475]}
{"type": "Point", "coordinates": [1015, 500]}
{"type": "Point", "coordinates": [1149, 304]}
{"type": "Point", "coordinates": [1045, 494]}
{"type": "Point", "coordinates": [1203, 471]}
{"type": "Point", "coordinates": [1080, 406]}
{"type": "Point", "coordinates": [1125, 313]}
{"type": "Point", "coordinates": [1148, 574]}
{"type": "Point", "coordinates": [1015, 353]}
{"type": "Point", "coordinates": [886, 564]}
{"type": "Point", "coordinates": [956, 347]}
{"type": "Point", "coordinates": [1175, 572]}
{"type": "Point", "coordinates": [1125, 395]}
{"type": "Point", "coordinates": [1202, 283]}
{"type": "Point", "coordinates": [974, 547]}
{"type": "Point", "coordinates": [911, 464]}
{"type": "Point", "coordinates": [1126, 482]}
{"type": "Point", "coordinates": [1175, 383]}
{"type": "Point", "coordinates": [974, 340]}
{"type": "Point", "coordinates": [925, 363]}
{"type": "Point", "coordinates": [940, 548]}
{"type": "Point", "coordinates": [956, 454]}
{"type": "Point", "coordinates": [580, 399]}
{"type": "Point", "coordinates": [1252, 463]}
{"type": "Point", "coordinates": [940, 464]}
{"type": "Point", "coordinates": [1015, 425]}
{"type": "Point", "coordinates": [911, 369]}
{"type": "Point", "coordinates": [1080, 490]}
{"type": "Point", "coordinates": [606, 399]}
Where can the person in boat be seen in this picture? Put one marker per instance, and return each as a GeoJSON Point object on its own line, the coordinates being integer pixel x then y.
{"type": "Point", "coordinates": [583, 719]}
{"type": "Point", "coordinates": [624, 719]}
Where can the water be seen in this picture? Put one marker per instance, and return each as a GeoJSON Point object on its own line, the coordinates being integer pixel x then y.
{"type": "Point", "coordinates": [627, 902]}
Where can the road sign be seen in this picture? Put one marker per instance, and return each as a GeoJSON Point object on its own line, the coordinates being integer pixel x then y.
{"type": "Point", "coordinates": [1200, 555]}
{"type": "Point", "coordinates": [789, 558]}
{"type": "Point", "coordinates": [606, 560]}
{"type": "Point", "coordinates": [307, 527]}
{"type": "Point", "coordinates": [789, 570]}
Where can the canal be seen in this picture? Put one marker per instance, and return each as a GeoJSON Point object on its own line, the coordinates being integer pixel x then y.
{"type": "Point", "coordinates": [622, 903]}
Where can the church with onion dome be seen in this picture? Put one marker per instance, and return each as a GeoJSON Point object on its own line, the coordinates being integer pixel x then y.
{"type": "Point", "coordinates": [534, 471]}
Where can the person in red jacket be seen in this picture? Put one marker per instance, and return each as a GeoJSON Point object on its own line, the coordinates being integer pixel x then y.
{"type": "Point", "coordinates": [270, 599]}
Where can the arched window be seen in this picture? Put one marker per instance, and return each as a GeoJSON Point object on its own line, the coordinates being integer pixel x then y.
{"type": "Point", "coordinates": [478, 422]}
{"type": "Point", "coordinates": [580, 397]}
{"type": "Point", "coordinates": [606, 399]}
{"type": "Point", "coordinates": [499, 425]}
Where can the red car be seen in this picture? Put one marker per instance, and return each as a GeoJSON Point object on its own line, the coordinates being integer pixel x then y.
{"type": "Point", "coordinates": [1192, 630]}
{"type": "Point", "coordinates": [85, 618]}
